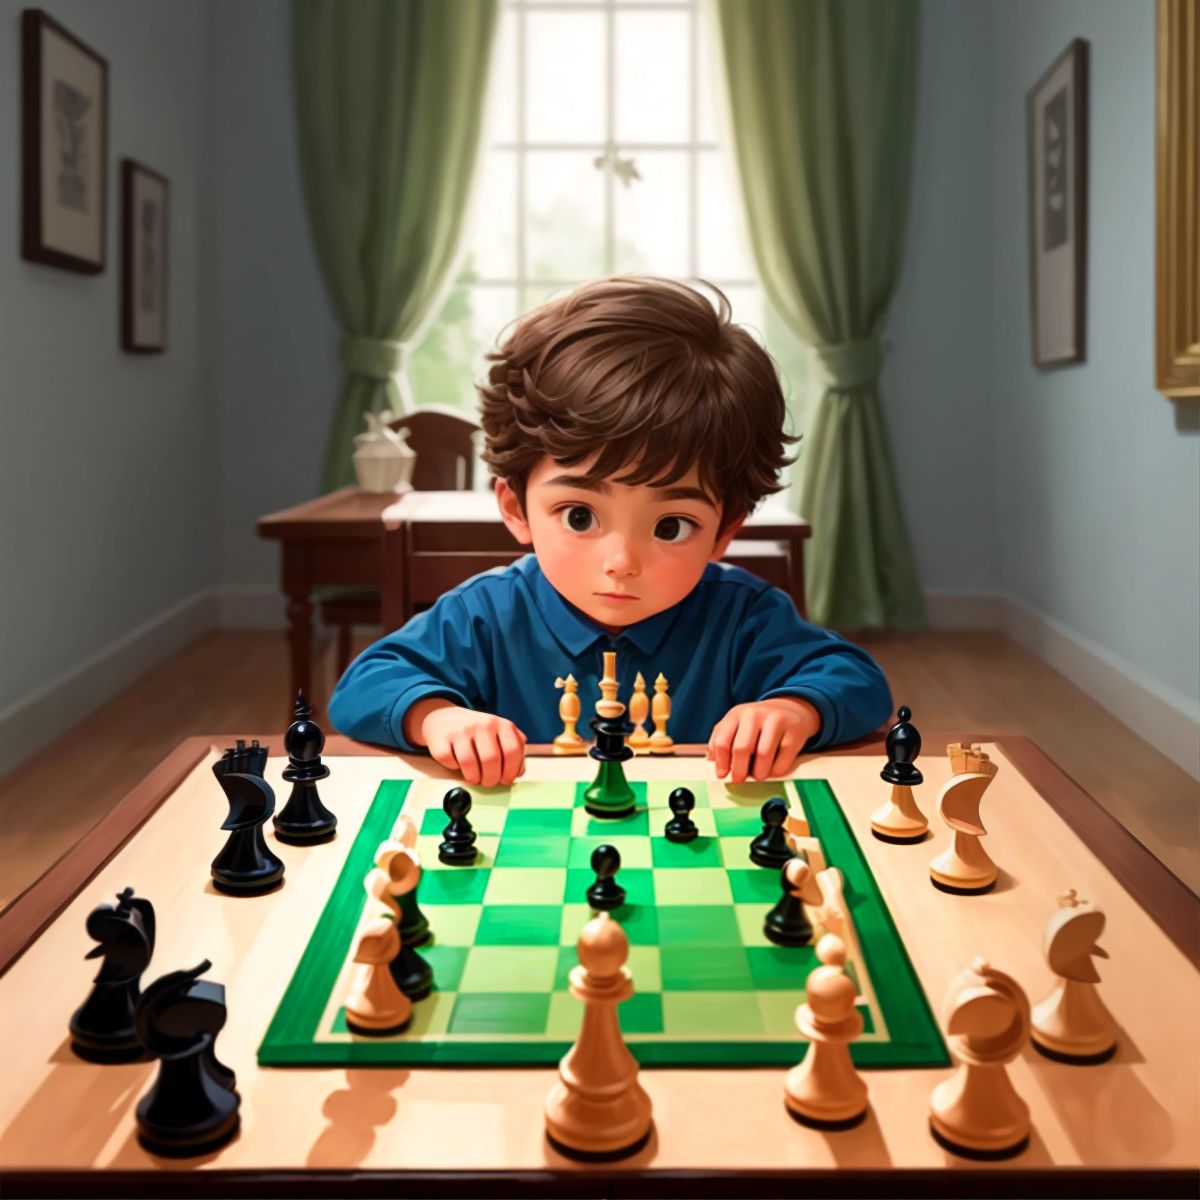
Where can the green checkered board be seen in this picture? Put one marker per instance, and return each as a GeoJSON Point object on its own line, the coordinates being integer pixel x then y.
{"type": "Point", "coordinates": [710, 990]}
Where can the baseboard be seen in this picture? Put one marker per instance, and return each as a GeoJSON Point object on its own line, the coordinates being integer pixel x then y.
{"type": "Point", "coordinates": [1167, 719]}
{"type": "Point", "coordinates": [72, 696]}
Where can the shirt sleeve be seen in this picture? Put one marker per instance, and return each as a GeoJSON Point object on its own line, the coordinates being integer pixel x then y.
{"type": "Point", "coordinates": [440, 652]}
{"type": "Point", "coordinates": [779, 654]}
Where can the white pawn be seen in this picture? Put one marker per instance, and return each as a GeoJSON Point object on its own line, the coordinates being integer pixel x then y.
{"type": "Point", "coordinates": [825, 1090]}
{"type": "Point", "coordinates": [977, 1112]}
{"type": "Point", "coordinates": [598, 1110]}
{"type": "Point", "coordinates": [660, 713]}
{"type": "Point", "coordinates": [1072, 1024]}
{"type": "Point", "coordinates": [375, 1006]}
{"type": "Point", "coordinates": [639, 709]}
{"type": "Point", "coordinates": [964, 867]}
{"type": "Point", "coordinates": [569, 741]}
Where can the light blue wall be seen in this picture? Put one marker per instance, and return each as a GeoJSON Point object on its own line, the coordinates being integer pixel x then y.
{"type": "Point", "coordinates": [107, 460]}
{"type": "Point", "coordinates": [1098, 476]}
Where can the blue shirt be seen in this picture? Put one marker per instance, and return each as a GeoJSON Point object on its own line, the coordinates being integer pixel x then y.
{"type": "Point", "coordinates": [497, 642]}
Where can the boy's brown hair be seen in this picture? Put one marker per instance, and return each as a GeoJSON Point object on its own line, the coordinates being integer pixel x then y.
{"type": "Point", "coordinates": [644, 371]}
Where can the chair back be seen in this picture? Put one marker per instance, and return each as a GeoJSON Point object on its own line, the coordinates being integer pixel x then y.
{"type": "Point", "coordinates": [443, 441]}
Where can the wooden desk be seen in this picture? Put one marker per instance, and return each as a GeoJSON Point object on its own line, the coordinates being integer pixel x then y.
{"type": "Point", "coordinates": [434, 541]}
{"type": "Point", "coordinates": [1130, 1126]}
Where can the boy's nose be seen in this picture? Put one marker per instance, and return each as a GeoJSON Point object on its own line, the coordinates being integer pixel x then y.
{"type": "Point", "coordinates": [620, 560]}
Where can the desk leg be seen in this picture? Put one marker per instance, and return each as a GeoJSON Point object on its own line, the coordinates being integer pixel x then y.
{"type": "Point", "coordinates": [796, 575]}
{"type": "Point", "coordinates": [393, 600]}
{"type": "Point", "coordinates": [300, 636]}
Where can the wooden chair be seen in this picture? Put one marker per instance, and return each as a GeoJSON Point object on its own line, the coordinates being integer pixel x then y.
{"type": "Point", "coordinates": [444, 442]}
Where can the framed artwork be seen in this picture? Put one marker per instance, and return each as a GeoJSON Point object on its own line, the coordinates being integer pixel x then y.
{"type": "Point", "coordinates": [1056, 109]}
{"type": "Point", "coordinates": [64, 147]}
{"type": "Point", "coordinates": [143, 259]}
{"type": "Point", "coordinates": [1177, 202]}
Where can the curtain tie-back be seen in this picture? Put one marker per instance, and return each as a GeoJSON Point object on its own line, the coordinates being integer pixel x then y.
{"type": "Point", "coordinates": [846, 365]}
{"type": "Point", "coordinates": [377, 358]}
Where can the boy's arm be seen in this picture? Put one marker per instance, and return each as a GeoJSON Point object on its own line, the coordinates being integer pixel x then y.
{"type": "Point", "coordinates": [441, 653]}
{"type": "Point", "coordinates": [781, 655]}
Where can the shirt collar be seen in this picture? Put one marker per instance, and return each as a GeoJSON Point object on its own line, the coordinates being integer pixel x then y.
{"type": "Point", "coordinates": [576, 632]}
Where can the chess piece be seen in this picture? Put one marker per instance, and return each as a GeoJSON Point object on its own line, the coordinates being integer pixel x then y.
{"type": "Point", "coordinates": [825, 1091]}
{"type": "Point", "coordinates": [787, 924]}
{"type": "Point", "coordinates": [598, 1110]}
{"type": "Point", "coordinates": [375, 1005]}
{"type": "Point", "coordinates": [639, 710]}
{"type": "Point", "coordinates": [304, 819]}
{"type": "Point", "coordinates": [414, 925]}
{"type": "Point", "coordinates": [102, 1027]}
{"type": "Point", "coordinates": [569, 741]}
{"type": "Point", "coordinates": [834, 911]}
{"type": "Point", "coordinates": [964, 868]}
{"type": "Point", "coordinates": [660, 713]}
{"type": "Point", "coordinates": [458, 838]}
{"type": "Point", "coordinates": [192, 1107]}
{"type": "Point", "coordinates": [396, 875]}
{"type": "Point", "coordinates": [245, 866]}
{"type": "Point", "coordinates": [1072, 1023]}
{"type": "Point", "coordinates": [770, 848]}
{"type": "Point", "coordinates": [977, 1112]}
{"type": "Point", "coordinates": [606, 893]}
{"type": "Point", "coordinates": [681, 827]}
{"type": "Point", "coordinates": [900, 820]}
{"type": "Point", "coordinates": [610, 794]}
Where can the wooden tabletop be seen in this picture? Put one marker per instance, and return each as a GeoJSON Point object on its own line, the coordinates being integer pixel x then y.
{"type": "Point", "coordinates": [1130, 1126]}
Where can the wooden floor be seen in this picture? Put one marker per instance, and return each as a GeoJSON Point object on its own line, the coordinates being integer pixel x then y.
{"type": "Point", "coordinates": [236, 682]}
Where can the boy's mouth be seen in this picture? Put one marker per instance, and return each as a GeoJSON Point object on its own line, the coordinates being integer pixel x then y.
{"type": "Point", "coordinates": [616, 596]}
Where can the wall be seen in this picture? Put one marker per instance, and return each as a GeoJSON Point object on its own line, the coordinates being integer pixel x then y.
{"type": "Point", "coordinates": [1098, 475]}
{"type": "Point", "coordinates": [108, 460]}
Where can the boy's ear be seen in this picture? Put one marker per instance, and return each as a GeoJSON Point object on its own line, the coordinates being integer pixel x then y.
{"type": "Point", "coordinates": [511, 514]}
{"type": "Point", "coordinates": [723, 541]}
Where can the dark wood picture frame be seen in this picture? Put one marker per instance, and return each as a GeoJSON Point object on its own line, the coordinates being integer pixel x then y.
{"type": "Point", "coordinates": [145, 256]}
{"type": "Point", "coordinates": [1059, 109]}
{"type": "Point", "coordinates": [49, 227]}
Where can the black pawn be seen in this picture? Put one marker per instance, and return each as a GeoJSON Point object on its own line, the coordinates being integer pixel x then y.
{"type": "Point", "coordinates": [903, 745]}
{"type": "Point", "coordinates": [191, 1108]}
{"type": "Point", "coordinates": [770, 848]}
{"type": "Point", "coordinates": [102, 1027]}
{"type": "Point", "coordinates": [412, 973]}
{"type": "Point", "coordinates": [304, 819]}
{"type": "Point", "coordinates": [245, 866]}
{"type": "Point", "coordinates": [458, 838]}
{"type": "Point", "coordinates": [606, 893]}
{"type": "Point", "coordinates": [681, 827]}
{"type": "Point", "coordinates": [786, 924]}
{"type": "Point", "coordinates": [414, 924]}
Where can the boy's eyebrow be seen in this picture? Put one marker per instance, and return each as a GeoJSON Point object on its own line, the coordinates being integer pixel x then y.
{"type": "Point", "coordinates": [599, 485]}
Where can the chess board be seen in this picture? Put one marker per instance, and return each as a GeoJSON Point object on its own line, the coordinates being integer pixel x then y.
{"type": "Point", "coordinates": [710, 989]}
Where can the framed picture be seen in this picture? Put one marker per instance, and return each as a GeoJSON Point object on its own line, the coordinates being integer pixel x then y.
{"type": "Point", "coordinates": [64, 147]}
{"type": "Point", "coordinates": [143, 259]}
{"type": "Point", "coordinates": [1057, 134]}
{"type": "Point", "coordinates": [1177, 202]}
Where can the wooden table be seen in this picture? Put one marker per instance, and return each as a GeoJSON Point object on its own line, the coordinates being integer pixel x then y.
{"type": "Point", "coordinates": [1127, 1127]}
{"type": "Point", "coordinates": [425, 543]}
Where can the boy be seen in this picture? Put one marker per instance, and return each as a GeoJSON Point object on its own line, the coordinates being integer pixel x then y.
{"type": "Point", "coordinates": [631, 429]}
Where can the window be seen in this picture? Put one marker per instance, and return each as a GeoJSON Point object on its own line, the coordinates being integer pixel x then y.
{"type": "Point", "coordinates": [603, 154]}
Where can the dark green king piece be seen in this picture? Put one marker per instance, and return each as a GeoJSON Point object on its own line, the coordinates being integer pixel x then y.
{"type": "Point", "coordinates": [610, 794]}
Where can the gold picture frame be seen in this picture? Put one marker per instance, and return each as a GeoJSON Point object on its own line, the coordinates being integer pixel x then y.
{"type": "Point", "coordinates": [1177, 203]}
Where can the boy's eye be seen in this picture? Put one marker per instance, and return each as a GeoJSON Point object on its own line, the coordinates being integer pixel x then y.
{"type": "Point", "coordinates": [578, 518]}
{"type": "Point", "coordinates": [674, 529]}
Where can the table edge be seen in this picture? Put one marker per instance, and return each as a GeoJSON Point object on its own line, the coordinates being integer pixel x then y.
{"type": "Point", "coordinates": [1165, 898]}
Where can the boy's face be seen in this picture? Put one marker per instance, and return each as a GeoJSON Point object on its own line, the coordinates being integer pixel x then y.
{"type": "Point", "coordinates": [618, 552]}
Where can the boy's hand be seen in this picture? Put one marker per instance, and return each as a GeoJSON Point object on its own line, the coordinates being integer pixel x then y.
{"type": "Point", "coordinates": [762, 739]}
{"type": "Point", "coordinates": [487, 749]}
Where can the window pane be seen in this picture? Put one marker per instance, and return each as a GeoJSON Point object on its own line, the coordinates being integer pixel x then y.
{"type": "Point", "coordinates": [535, 294]}
{"type": "Point", "coordinates": [710, 78]}
{"type": "Point", "coordinates": [492, 308]}
{"type": "Point", "coordinates": [565, 74]}
{"type": "Point", "coordinates": [651, 215]}
{"type": "Point", "coordinates": [653, 95]}
{"type": "Point", "coordinates": [501, 115]}
{"type": "Point", "coordinates": [494, 229]}
{"type": "Point", "coordinates": [564, 228]}
{"type": "Point", "coordinates": [723, 251]}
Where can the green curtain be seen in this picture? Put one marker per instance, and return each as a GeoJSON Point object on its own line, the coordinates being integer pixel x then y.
{"type": "Point", "coordinates": [389, 107]}
{"type": "Point", "coordinates": [821, 98]}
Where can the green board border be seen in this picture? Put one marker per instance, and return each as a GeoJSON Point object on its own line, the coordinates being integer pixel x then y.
{"type": "Point", "coordinates": [914, 1038]}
